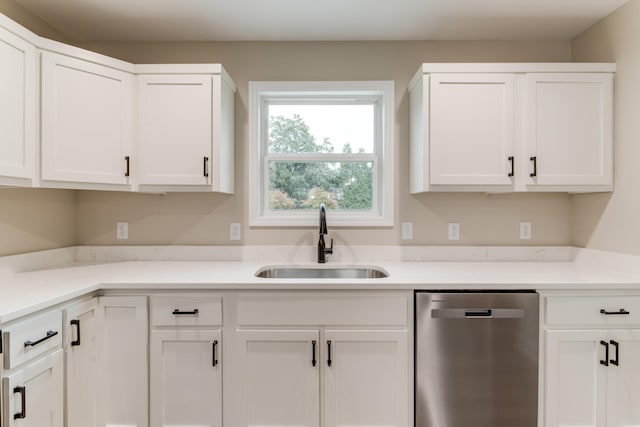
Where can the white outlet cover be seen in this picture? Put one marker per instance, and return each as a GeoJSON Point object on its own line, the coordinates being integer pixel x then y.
{"type": "Point", "coordinates": [454, 231]}
{"type": "Point", "coordinates": [234, 231]}
{"type": "Point", "coordinates": [525, 230]}
{"type": "Point", "coordinates": [407, 231]}
{"type": "Point", "coordinates": [122, 230]}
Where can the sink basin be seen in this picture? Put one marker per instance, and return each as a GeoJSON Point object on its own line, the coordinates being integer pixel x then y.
{"type": "Point", "coordinates": [321, 273]}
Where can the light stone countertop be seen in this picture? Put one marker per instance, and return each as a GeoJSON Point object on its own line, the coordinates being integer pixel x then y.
{"type": "Point", "coordinates": [25, 292]}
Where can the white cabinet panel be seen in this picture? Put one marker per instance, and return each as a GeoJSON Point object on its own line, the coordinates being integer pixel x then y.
{"type": "Point", "coordinates": [87, 121]}
{"type": "Point", "coordinates": [472, 129]}
{"type": "Point", "coordinates": [34, 394]}
{"type": "Point", "coordinates": [353, 394]}
{"type": "Point", "coordinates": [186, 378]}
{"type": "Point", "coordinates": [18, 109]}
{"type": "Point", "coordinates": [81, 323]}
{"type": "Point", "coordinates": [570, 128]}
{"type": "Point", "coordinates": [623, 390]}
{"type": "Point", "coordinates": [575, 392]}
{"type": "Point", "coordinates": [175, 125]}
{"type": "Point", "coordinates": [281, 384]}
{"type": "Point", "coordinates": [123, 360]}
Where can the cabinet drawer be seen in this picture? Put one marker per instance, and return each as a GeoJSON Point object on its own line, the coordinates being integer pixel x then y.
{"type": "Point", "coordinates": [29, 338]}
{"type": "Point", "coordinates": [593, 310]}
{"type": "Point", "coordinates": [321, 309]}
{"type": "Point", "coordinates": [186, 311]}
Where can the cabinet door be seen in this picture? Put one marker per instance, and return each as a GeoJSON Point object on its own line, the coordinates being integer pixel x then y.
{"type": "Point", "coordinates": [280, 378]}
{"type": "Point", "coordinates": [570, 129]}
{"type": "Point", "coordinates": [87, 121]}
{"type": "Point", "coordinates": [575, 380]}
{"type": "Point", "coordinates": [186, 378]}
{"type": "Point", "coordinates": [123, 361]}
{"type": "Point", "coordinates": [33, 394]}
{"type": "Point", "coordinates": [623, 396]}
{"type": "Point", "coordinates": [18, 110]}
{"type": "Point", "coordinates": [81, 327]}
{"type": "Point", "coordinates": [175, 126]}
{"type": "Point", "coordinates": [471, 129]}
{"type": "Point", "coordinates": [367, 381]}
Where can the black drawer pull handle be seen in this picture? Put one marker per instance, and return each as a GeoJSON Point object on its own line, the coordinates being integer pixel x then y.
{"type": "Point", "coordinates": [177, 312]}
{"type": "Point", "coordinates": [23, 399]}
{"type": "Point", "coordinates": [616, 346]}
{"type": "Point", "coordinates": [621, 311]}
{"type": "Point", "coordinates": [313, 351]}
{"type": "Point", "coordinates": [535, 167]}
{"type": "Point", "coordinates": [206, 167]}
{"type": "Point", "coordinates": [512, 166]}
{"type": "Point", "coordinates": [213, 348]}
{"type": "Point", "coordinates": [75, 342]}
{"type": "Point", "coordinates": [50, 334]}
{"type": "Point", "coordinates": [605, 362]}
{"type": "Point", "coordinates": [329, 353]}
{"type": "Point", "coordinates": [127, 160]}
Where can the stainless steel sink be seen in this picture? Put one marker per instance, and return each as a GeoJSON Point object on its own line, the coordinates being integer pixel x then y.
{"type": "Point", "coordinates": [271, 272]}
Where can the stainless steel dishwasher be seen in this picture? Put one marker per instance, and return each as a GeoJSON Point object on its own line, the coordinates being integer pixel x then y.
{"type": "Point", "coordinates": [476, 359]}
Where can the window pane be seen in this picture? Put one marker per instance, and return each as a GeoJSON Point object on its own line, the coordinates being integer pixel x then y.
{"type": "Point", "coordinates": [321, 128]}
{"type": "Point", "coordinates": [304, 185]}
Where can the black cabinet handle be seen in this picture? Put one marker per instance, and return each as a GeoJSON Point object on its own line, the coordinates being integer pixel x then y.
{"type": "Point", "coordinates": [313, 351]}
{"type": "Point", "coordinates": [206, 168]}
{"type": "Point", "coordinates": [177, 312]}
{"type": "Point", "coordinates": [329, 353]}
{"type": "Point", "coordinates": [605, 362]}
{"type": "Point", "coordinates": [23, 398]}
{"type": "Point", "coordinates": [213, 348]}
{"type": "Point", "coordinates": [127, 160]}
{"type": "Point", "coordinates": [76, 322]}
{"type": "Point", "coordinates": [512, 167]}
{"type": "Point", "coordinates": [534, 159]}
{"type": "Point", "coordinates": [50, 334]}
{"type": "Point", "coordinates": [608, 313]}
{"type": "Point", "coordinates": [616, 346]}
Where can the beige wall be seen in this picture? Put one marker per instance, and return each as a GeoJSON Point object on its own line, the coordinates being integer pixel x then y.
{"type": "Point", "coordinates": [611, 221]}
{"type": "Point", "coordinates": [29, 20]}
{"type": "Point", "coordinates": [35, 219]}
{"type": "Point", "coordinates": [204, 219]}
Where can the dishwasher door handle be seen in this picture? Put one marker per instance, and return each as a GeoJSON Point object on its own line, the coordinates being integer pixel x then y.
{"type": "Point", "coordinates": [478, 313]}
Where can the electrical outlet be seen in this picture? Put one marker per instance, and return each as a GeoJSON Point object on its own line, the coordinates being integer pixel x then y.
{"type": "Point", "coordinates": [234, 231]}
{"type": "Point", "coordinates": [407, 231]}
{"type": "Point", "coordinates": [525, 230]}
{"type": "Point", "coordinates": [122, 230]}
{"type": "Point", "coordinates": [454, 231]}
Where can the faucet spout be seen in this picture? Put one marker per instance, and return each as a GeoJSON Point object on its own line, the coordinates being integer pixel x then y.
{"type": "Point", "coordinates": [322, 249]}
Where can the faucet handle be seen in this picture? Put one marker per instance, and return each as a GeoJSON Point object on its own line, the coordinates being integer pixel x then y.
{"type": "Point", "coordinates": [330, 249]}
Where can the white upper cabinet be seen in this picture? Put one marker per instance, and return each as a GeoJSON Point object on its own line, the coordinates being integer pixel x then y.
{"type": "Point", "coordinates": [471, 134]}
{"type": "Point", "coordinates": [186, 128]}
{"type": "Point", "coordinates": [512, 127]}
{"type": "Point", "coordinates": [18, 109]}
{"type": "Point", "coordinates": [569, 133]}
{"type": "Point", "coordinates": [87, 123]}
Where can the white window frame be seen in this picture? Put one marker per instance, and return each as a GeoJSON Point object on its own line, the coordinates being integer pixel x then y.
{"type": "Point", "coordinates": [383, 158]}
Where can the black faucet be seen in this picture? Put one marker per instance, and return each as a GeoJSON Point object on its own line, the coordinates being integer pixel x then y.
{"type": "Point", "coordinates": [322, 249]}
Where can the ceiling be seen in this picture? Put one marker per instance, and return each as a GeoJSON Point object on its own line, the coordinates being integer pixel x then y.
{"type": "Point", "coordinates": [320, 20]}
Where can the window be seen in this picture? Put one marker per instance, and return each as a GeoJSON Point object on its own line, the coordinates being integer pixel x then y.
{"type": "Point", "coordinates": [321, 142]}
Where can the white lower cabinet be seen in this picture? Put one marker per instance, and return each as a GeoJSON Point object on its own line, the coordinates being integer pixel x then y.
{"type": "Point", "coordinates": [366, 383]}
{"type": "Point", "coordinates": [123, 361]}
{"type": "Point", "coordinates": [33, 394]}
{"type": "Point", "coordinates": [81, 346]}
{"type": "Point", "coordinates": [280, 372]}
{"type": "Point", "coordinates": [322, 359]}
{"type": "Point", "coordinates": [186, 378]}
{"type": "Point", "coordinates": [592, 374]}
{"type": "Point", "coordinates": [362, 376]}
